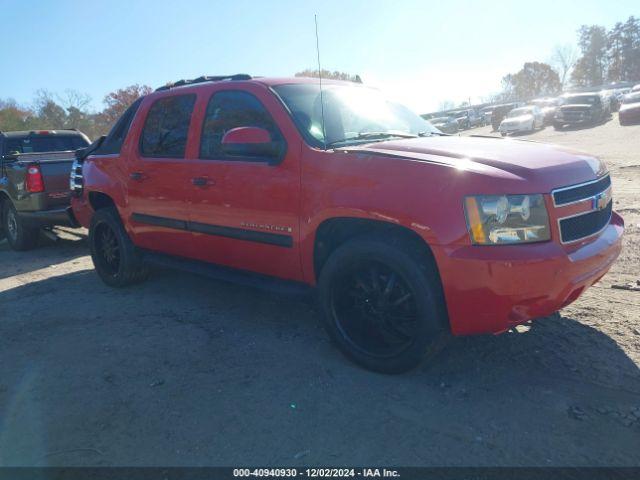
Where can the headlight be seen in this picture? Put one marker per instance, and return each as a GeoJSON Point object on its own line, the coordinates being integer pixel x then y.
{"type": "Point", "coordinates": [505, 219]}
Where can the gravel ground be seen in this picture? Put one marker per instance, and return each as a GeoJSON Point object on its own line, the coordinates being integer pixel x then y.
{"type": "Point", "coordinates": [188, 371]}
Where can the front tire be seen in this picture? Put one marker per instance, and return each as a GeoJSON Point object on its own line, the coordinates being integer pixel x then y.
{"type": "Point", "coordinates": [114, 256]}
{"type": "Point", "coordinates": [20, 236]}
{"type": "Point", "coordinates": [382, 303]}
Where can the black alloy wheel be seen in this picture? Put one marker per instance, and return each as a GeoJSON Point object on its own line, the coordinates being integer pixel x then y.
{"type": "Point", "coordinates": [107, 249]}
{"type": "Point", "coordinates": [375, 309]}
{"type": "Point", "coordinates": [114, 255]}
{"type": "Point", "coordinates": [382, 302]}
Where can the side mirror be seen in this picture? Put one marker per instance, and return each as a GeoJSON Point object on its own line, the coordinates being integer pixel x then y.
{"type": "Point", "coordinates": [252, 142]}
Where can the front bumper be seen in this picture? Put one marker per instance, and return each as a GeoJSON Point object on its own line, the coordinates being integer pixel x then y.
{"type": "Point", "coordinates": [521, 127]}
{"type": "Point", "coordinates": [491, 289]}
{"type": "Point", "coordinates": [582, 120]}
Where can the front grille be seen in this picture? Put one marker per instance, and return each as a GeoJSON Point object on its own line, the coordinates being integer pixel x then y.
{"type": "Point", "coordinates": [574, 115]}
{"type": "Point", "coordinates": [580, 192]}
{"type": "Point", "coordinates": [581, 226]}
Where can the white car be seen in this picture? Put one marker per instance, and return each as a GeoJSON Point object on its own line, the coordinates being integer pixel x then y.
{"type": "Point", "coordinates": [523, 119]}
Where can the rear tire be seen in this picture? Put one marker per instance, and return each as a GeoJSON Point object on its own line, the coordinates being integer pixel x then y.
{"type": "Point", "coordinates": [114, 256]}
{"type": "Point", "coordinates": [20, 236]}
{"type": "Point", "coordinates": [382, 303]}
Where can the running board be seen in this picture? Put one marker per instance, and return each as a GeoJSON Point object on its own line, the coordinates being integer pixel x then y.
{"type": "Point", "coordinates": [227, 274]}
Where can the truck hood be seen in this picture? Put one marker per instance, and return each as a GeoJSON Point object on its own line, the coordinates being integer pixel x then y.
{"type": "Point", "coordinates": [533, 162]}
{"type": "Point", "coordinates": [518, 119]}
{"type": "Point", "coordinates": [577, 106]}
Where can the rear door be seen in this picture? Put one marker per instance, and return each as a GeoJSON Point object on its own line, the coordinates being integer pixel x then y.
{"type": "Point", "coordinates": [159, 175]}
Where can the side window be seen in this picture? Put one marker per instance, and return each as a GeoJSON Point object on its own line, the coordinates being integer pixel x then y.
{"type": "Point", "coordinates": [166, 127]}
{"type": "Point", "coordinates": [232, 109]}
{"type": "Point", "coordinates": [113, 143]}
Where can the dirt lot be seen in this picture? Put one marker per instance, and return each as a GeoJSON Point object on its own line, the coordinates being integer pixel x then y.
{"type": "Point", "coordinates": [188, 371]}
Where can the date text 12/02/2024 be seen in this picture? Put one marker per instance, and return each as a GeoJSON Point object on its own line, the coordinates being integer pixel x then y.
{"type": "Point", "coordinates": [317, 472]}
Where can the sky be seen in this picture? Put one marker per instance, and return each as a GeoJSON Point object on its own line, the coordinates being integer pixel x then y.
{"type": "Point", "coordinates": [417, 51]}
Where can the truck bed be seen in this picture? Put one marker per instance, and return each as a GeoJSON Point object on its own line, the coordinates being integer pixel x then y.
{"type": "Point", "coordinates": [55, 168]}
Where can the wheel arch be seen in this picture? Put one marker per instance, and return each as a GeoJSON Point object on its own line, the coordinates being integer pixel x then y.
{"type": "Point", "coordinates": [4, 197]}
{"type": "Point", "coordinates": [335, 231]}
{"type": "Point", "coordinates": [100, 200]}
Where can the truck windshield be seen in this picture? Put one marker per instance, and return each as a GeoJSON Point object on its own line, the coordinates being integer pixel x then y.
{"type": "Point", "coordinates": [43, 143]}
{"type": "Point", "coordinates": [352, 114]}
{"type": "Point", "coordinates": [590, 99]}
{"type": "Point", "coordinates": [517, 112]}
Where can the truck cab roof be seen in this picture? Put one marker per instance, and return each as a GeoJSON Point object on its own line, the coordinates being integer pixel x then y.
{"type": "Point", "coordinates": [37, 141]}
{"type": "Point", "coordinates": [27, 133]}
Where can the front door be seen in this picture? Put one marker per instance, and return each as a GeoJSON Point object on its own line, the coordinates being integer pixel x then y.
{"type": "Point", "coordinates": [245, 212]}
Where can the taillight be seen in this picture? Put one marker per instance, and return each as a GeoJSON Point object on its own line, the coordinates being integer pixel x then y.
{"type": "Point", "coordinates": [34, 182]}
{"type": "Point", "coordinates": [75, 180]}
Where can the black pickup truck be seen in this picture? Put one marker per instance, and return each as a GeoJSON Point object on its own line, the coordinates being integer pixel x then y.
{"type": "Point", "coordinates": [34, 182]}
{"type": "Point", "coordinates": [581, 109]}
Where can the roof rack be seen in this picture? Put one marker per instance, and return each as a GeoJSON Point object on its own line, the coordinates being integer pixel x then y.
{"type": "Point", "coordinates": [204, 78]}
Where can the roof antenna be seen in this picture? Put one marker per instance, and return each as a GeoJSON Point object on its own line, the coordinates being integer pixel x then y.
{"type": "Point", "coordinates": [324, 133]}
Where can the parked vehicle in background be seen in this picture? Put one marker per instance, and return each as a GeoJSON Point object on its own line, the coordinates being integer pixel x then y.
{"type": "Point", "coordinates": [523, 119]}
{"type": "Point", "coordinates": [467, 119]}
{"type": "Point", "coordinates": [485, 113]}
{"type": "Point", "coordinates": [407, 233]}
{"type": "Point", "coordinates": [607, 102]}
{"type": "Point", "coordinates": [445, 124]}
{"type": "Point", "coordinates": [34, 182]}
{"type": "Point", "coordinates": [610, 100]}
{"type": "Point", "coordinates": [630, 109]}
{"type": "Point", "coordinates": [499, 113]}
{"type": "Point", "coordinates": [636, 88]}
{"type": "Point", "coordinates": [580, 109]}
{"type": "Point", "coordinates": [548, 106]}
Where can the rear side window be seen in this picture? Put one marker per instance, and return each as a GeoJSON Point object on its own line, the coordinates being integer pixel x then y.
{"type": "Point", "coordinates": [113, 143]}
{"type": "Point", "coordinates": [166, 127]}
{"type": "Point", "coordinates": [231, 109]}
{"type": "Point", "coordinates": [44, 143]}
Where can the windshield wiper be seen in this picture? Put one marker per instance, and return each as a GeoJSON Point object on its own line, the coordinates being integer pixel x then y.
{"type": "Point", "coordinates": [429, 134]}
{"type": "Point", "coordinates": [372, 136]}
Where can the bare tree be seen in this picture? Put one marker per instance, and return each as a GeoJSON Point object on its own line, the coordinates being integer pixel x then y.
{"type": "Point", "coordinates": [563, 59]}
{"type": "Point", "coordinates": [74, 99]}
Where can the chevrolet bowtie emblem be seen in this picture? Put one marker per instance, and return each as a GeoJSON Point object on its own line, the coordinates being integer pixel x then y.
{"type": "Point", "coordinates": [601, 200]}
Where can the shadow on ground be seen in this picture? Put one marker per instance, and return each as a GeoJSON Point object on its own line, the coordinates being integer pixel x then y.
{"type": "Point", "coordinates": [187, 371]}
{"type": "Point", "coordinates": [48, 252]}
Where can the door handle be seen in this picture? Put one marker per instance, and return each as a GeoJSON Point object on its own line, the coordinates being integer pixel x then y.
{"type": "Point", "coordinates": [202, 181]}
{"type": "Point", "coordinates": [137, 176]}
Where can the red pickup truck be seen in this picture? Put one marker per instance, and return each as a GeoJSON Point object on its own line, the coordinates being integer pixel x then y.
{"type": "Point", "coordinates": [407, 233]}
